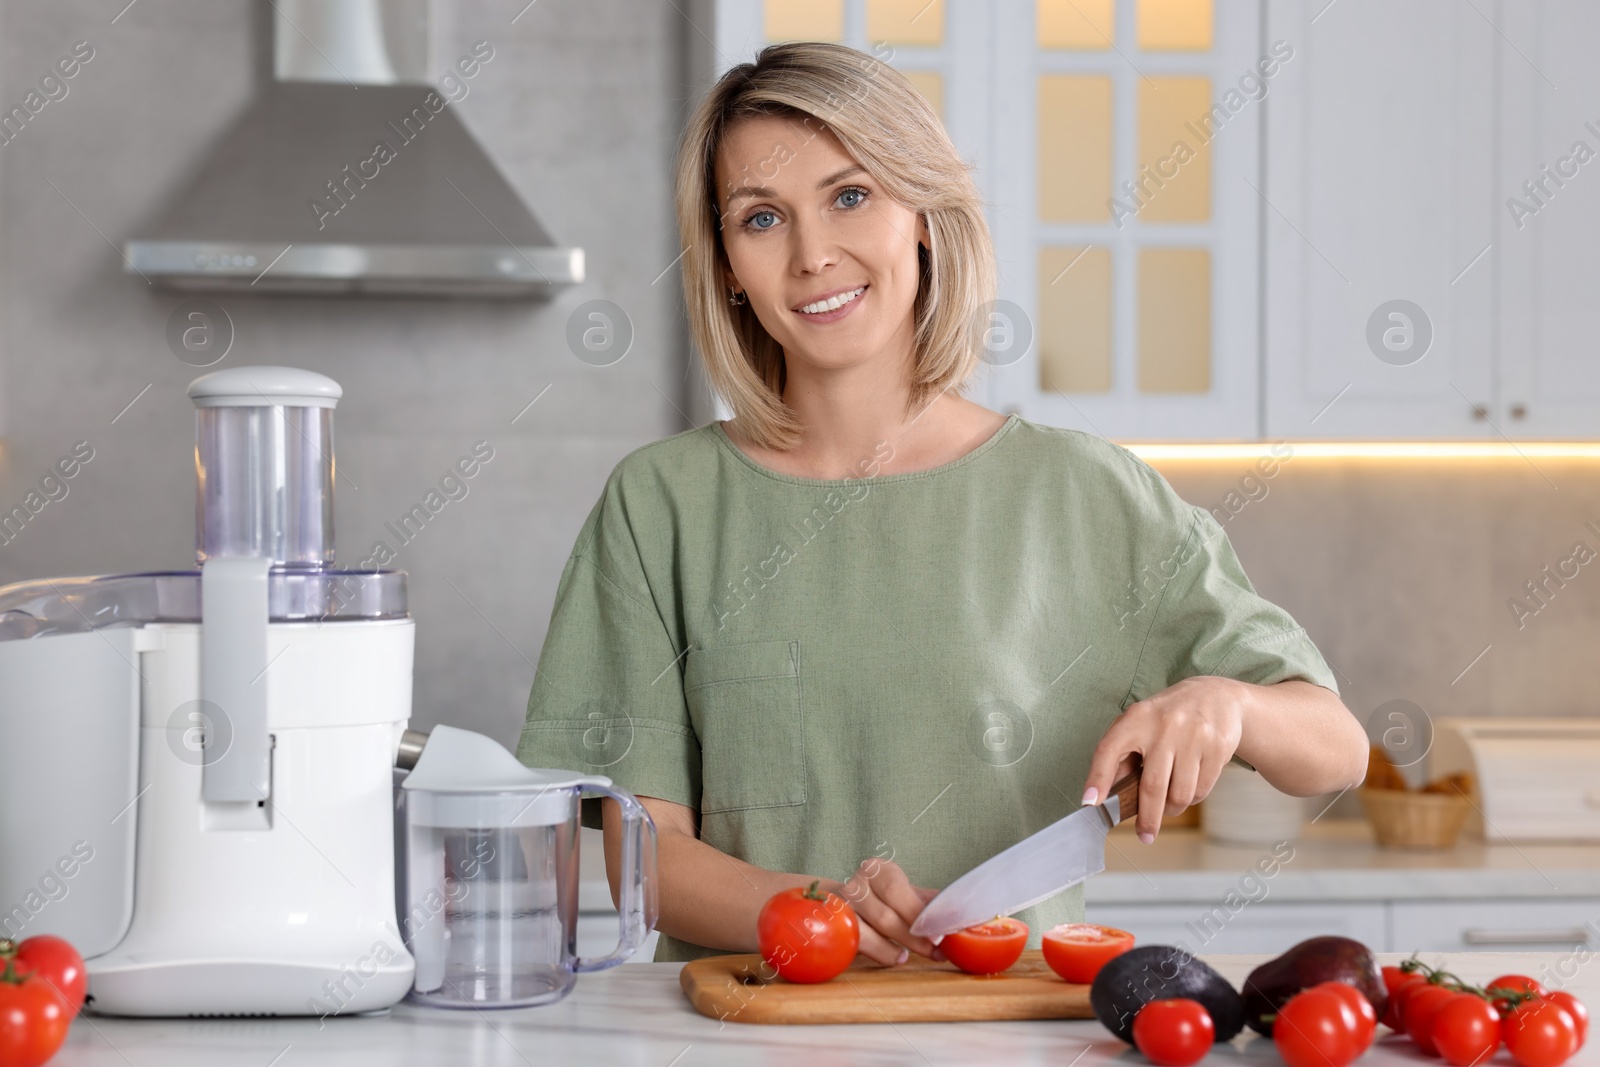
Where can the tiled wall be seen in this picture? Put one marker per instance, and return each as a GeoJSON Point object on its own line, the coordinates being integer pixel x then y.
{"type": "Point", "coordinates": [1403, 570]}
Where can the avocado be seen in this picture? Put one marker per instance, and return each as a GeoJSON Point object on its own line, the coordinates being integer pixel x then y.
{"type": "Point", "coordinates": [1321, 959]}
{"type": "Point", "coordinates": [1161, 972]}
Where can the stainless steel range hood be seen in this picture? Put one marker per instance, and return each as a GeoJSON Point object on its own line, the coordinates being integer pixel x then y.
{"type": "Point", "coordinates": [353, 174]}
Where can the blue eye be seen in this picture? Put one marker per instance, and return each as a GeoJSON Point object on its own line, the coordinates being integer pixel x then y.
{"type": "Point", "coordinates": [857, 195]}
{"type": "Point", "coordinates": [755, 224]}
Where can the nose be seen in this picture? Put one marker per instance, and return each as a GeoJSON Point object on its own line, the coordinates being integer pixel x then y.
{"type": "Point", "coordinates": [812, 249]}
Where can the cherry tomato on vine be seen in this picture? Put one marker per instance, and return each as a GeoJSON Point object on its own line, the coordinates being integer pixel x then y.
{"type": "Point", "coordinates": [809, 936]}
{"type": "Point", "coordinates": [1174, 1032]}
{"type": "Point", "coordinates": [1540, 1033]}
{"type": "Point", "coordinates": [1516, 983]}
{"type": "Point", "coordinates": [1077, 951]}
{"type": "Point", "coordinates": [987, 948]}
{"type": "Point", "coordinates": [1519, 982]}
{"type": "Point", "coordinates": [1419, 1011]}
{"type": "Point", "coordinates": [1575, 1008]}
{"type": "Point", "coordinates": [1466, 1029]}
{"type": "Point", "coordinates": [1394, 1016]}
{"type": "Point", "coordinates": [1393, 976]}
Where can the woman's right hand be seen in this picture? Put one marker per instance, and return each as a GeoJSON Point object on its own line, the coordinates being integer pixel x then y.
{"type": "Point", "coordinates": [886, 902]}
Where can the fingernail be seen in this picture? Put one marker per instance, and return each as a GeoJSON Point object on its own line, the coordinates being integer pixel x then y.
{"type": "Point", "coordinates": [1090, 795]}
{"type": "Point", "coordinates": [905, 954]}
{"type": "Point", "coordinates": [1147, 837]}
{"type": "Point", "coordinates": [937, 955]}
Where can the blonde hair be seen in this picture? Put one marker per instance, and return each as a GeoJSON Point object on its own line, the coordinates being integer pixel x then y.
{"type": "Point", "coordinates": [891, 131]}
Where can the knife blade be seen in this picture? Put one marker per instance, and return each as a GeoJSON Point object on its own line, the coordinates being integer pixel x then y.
{"type": "Point", "coordinates": [1036, 868]}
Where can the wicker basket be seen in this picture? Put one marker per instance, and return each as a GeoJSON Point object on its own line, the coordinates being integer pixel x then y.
{"type": "Point", "coordinates": [1414, 820]}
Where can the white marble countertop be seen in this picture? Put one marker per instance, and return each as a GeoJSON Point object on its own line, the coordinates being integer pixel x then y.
{"type": "Point", "coordinates": [638, 1016]}
{"type": "Point", "coordinates": [1337, 859]}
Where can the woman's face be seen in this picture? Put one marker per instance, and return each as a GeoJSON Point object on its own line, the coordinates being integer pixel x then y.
{"type": "Point", "coordinates": [827, 259]}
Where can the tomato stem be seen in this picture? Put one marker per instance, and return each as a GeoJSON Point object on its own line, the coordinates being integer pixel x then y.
{"type": "Point", "coordinates": [811, 891]}
{"type": "Point", "coordinates": [1512, 997]}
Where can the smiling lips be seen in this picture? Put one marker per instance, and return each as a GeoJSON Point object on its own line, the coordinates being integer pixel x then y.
{"type": "Point", "coordinates": [832, 307]}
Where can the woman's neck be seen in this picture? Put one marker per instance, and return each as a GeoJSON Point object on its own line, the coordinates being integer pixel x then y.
{"type": "Point", "coordinates": [867, 432]}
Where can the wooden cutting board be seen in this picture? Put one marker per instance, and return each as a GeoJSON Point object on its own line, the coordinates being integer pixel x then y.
{"type": "Point", "coordinates": [737, 988]}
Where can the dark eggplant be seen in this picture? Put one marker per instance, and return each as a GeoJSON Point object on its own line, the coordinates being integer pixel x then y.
{"type": "Point", "coordinates": [1321, 959]}
{"type": "Point", "coordinates": [1161, 972]}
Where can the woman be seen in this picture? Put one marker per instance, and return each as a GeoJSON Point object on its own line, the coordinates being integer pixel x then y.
{"type": "Point", "coordinates": [867, 630]}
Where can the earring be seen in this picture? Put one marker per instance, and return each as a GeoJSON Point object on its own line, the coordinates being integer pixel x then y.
{"type": "Point", "coordinates": [735, 297]}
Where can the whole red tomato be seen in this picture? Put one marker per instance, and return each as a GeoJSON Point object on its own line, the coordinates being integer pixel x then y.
{"type": "Point", "coordinates": [1419, 1011]}
{"type": "Point", "coordinates": [56, 962]}
{"type": "Point", "coordinates": [1366, 1016]}
{"type": "Point", "coordinates": [1575, 1008]}
{"type": "Point", "coordinates": [809, 936]}
{"type": "Point", "coordinates": [1316, 1028]}
{"type": "Point", "coordinates": [1466, 1030]}
{"type": "Point", "coordinates": [33, 1021]}
{"type": "Point", "coordinates": [1175, 1032]}
{"type": "Point", "coordinates": [1077, 951]}
{"type": "Point", "coordinates": [987, 948]}
{"type": "Point", "coordinates": [1540, 1033]}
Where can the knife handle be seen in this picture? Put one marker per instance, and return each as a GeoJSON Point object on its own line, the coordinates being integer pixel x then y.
{"type": "Point", "coordinates": [1126, 790]}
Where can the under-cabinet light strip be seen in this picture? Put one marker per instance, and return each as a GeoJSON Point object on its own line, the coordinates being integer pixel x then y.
{"type": "Point", "coordinates": [1368, 450]}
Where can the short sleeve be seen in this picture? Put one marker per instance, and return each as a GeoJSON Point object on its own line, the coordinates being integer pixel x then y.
{"type": "Point", "coordinates": [1211, 621]}
{"type": "Point", "coordinates": [607, 695]}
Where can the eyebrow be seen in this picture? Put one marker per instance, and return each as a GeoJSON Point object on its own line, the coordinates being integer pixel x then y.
{"type": "Point", "coordinates": [749, 191]}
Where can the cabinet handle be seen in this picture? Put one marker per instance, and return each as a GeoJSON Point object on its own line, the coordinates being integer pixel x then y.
{"type": "Point", "coordinates": [1519, 411]}
{"type": "Point", "coordinates": [1479, 412]}
{"type": "Point", "coordinates": [1576, 935]}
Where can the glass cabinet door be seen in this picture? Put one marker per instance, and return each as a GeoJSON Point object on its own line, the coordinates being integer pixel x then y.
{"type": "Point", "coordinates": [1126, 212]}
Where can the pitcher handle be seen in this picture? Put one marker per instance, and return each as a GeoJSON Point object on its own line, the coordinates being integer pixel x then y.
{"type": "Point", "coordinates": [638, 908]}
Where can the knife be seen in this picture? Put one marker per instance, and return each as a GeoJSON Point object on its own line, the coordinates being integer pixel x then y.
{"type": "Point", "coordinates": [1036, 868]}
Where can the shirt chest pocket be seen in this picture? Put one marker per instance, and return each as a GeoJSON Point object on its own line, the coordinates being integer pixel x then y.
{"type": "Point", "coordinates": [744, 701]}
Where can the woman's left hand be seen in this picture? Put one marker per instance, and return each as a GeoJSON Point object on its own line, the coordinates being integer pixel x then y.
{"type": "Point", "coordinates": [1184, 736]}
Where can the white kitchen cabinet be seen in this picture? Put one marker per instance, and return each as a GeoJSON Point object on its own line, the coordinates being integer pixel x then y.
{"type": "Point", "coordinates": [1488, 924]}
{"type": "Point", "coordinates": [1260, 927]}
{"type": "Point", "coordinates": [1513, 925]}
{"type": "Point", "coordinates": [1547, 218]}
{"type": "Point", "coordinates": [1379, 188]}
{"type": "Point", "coordinates": [1361, 271]}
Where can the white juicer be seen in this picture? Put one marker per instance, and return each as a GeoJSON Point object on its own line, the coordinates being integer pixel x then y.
{"type": "Point", "coordinates": [200, 782]}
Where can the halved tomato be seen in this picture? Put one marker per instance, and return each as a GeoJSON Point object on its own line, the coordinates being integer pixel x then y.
{"type": "Point", "coordinates": [1077, 951]}
{"type": "Point", "coordinates": [987, 948]}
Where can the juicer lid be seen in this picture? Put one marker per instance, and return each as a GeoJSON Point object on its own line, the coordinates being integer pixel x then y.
{"type": "Point", "coordinates": [461, 761]}
{"type": "Point", "coordinates": [264, 387]}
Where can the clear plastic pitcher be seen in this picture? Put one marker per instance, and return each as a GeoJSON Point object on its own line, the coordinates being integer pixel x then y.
{"type": "Point", "coordinates": [490, 874]}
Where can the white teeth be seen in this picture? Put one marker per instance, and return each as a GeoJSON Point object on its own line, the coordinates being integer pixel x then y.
{"type": "Point", "coordinates": [833, 303]}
